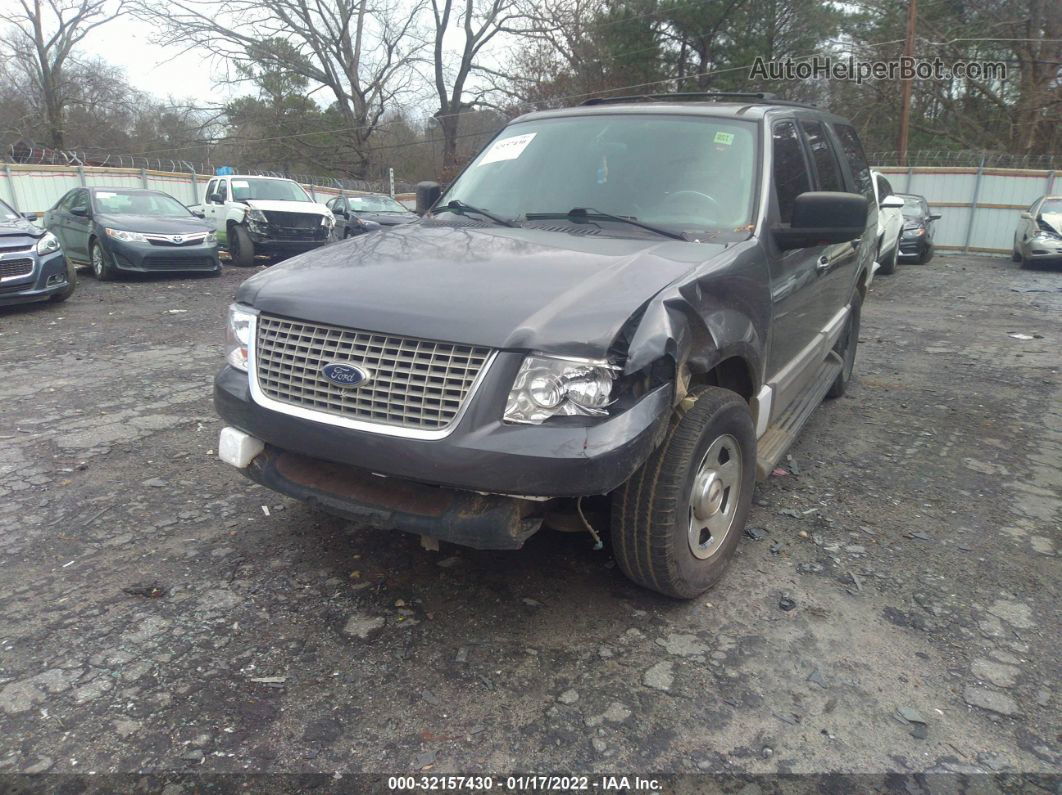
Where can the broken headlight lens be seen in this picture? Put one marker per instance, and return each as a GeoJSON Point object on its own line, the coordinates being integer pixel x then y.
{"type": "Point", "coordinates": [238, 335]}
{"type": "Point", "coordinates": [547, 387]}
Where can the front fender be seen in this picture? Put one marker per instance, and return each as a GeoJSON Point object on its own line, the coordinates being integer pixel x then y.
{"type": "Point", "coordinates": [709, 317]}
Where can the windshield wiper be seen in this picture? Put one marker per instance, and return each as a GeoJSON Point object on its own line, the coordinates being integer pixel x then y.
{"type": "Point", "coordinates": [458, 206]}
{"type": "Point", "coordinates": [590, 214]}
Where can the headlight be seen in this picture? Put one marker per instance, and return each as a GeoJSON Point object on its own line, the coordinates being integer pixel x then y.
{"type": "Point", "coordinates": [546, 387]}
{"type": "Point", "coordinates": [47, 244]}
{"type": "Point", "coordinates": [328, 221]}
{"type": "Point", "coordinates": [1041, 235]}
{"type": "Point", "coordinates": [238, 335]}
{"type": "Point", "coordinates": [128, 237]}
{"type": "Point", "coordinates": [212, 238]}
{"type": "Point", "coordinates": [914, 231]}
{"type": "Point", "coordinates": [256, 216]}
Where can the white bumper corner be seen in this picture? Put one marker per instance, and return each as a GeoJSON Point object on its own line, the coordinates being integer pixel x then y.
{"type": "Point", "coordinates": [238, 448]}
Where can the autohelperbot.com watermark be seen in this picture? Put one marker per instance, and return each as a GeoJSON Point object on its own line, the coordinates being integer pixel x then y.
{"type": "Point", "coordinates": [851, 68]}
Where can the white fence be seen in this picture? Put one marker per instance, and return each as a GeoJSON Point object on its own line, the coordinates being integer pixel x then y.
{"type": "Point", "coordinates": [979, 206]}
{"type": "Point", "coordinates": [35, 188]}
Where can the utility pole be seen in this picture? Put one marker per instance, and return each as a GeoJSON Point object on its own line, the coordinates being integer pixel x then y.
{"type": "Point", "coordinates": [905, 85]}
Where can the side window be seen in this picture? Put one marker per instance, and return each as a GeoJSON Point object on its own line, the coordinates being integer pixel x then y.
{"type": "Point", "coordinates": [822, 155]}
{"type": "Point", "coordinates": [886, 188]}
{"type": "Point", "coordinates": [223, 190]}
{"type": "Point", "coordinates": [210, 190]}
{"type": "Point", "coordinates": [80, 200]}
{"type": "Point", "coordinates": [857, 160]}
{"type": "Point", "coordinates": [790, 168]}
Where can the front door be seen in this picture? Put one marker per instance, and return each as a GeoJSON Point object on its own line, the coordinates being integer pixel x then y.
{"type": "Point", "coordinates": [836, 263]}
{"type": "Point", "coordinates": [77, 225]}
{"type": "Point", "coordinates": [797, 311]}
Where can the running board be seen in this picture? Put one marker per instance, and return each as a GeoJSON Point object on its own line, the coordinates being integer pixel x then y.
{"type": "Point", "coordinates": [781, 433]}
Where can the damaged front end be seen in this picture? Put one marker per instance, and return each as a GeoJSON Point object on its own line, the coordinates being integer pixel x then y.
{"type": "Point", "coordinates": [480, 521]}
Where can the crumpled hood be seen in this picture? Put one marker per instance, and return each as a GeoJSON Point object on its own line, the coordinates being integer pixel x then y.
{"type": "Point", "coordinates": [522, 289]}
{"type": "Point", "coordinates": [288, 207]}
{"type": "Point", "coordinates": [1054, 220]}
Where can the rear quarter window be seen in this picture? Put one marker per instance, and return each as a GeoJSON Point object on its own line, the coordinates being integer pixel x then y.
{"type": "Point", "coordinates": [857, 160]}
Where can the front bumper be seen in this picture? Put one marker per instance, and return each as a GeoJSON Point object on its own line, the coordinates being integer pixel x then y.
{"type": "Point", "coordinates": [1042, 251]}
{"type": "Point", "coordinates": [48, 275]}
{"type": "Point", "coordinates": [482, 453]}
{"type": "Point", "coordinates": [481, 521]}
{"type": "Point", "coordinates": [150, 258]}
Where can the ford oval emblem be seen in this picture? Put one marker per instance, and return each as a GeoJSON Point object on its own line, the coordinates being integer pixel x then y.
{"type": "Point", "coordinates": [345, 375]}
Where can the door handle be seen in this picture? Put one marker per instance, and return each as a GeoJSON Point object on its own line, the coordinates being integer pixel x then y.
{"type": "Point", "coordinates": [823, 264]}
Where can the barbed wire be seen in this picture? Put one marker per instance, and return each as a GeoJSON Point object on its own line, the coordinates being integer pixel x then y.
{"type": "Point", "coordinates": [942, 158]}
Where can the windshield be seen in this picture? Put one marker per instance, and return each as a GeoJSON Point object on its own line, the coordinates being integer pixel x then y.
{"type": "Point", "coordinates": [7, 214]}
{"type": "Point", "coordinates": [912, 208]}
{"type": "Point", "coordinates": [131, 202]}
{"type": "Point", "coordinates": [375, 204]}
{"type": "Point", "coordinates": [1051, 206]}
{"type": "Point", "coordinates": [268, 189]}
{"type": "Point", "coordinates": [682, 173]}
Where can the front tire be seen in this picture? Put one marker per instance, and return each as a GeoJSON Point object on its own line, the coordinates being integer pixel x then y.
{"type": "Point", "coordinates": [678, 520]}
{"type": "Point", "coordinates": [241, 247]}
{"type": "Point", "coordinates": [889, 268]}
{"type": "Point", "coordinates": [102, 267]}
{"type": "Point", "coordinates": [71, 284]}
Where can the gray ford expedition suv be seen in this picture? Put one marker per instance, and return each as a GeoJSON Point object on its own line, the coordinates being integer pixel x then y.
{"type": "Point", "coordinates": [619, 314]}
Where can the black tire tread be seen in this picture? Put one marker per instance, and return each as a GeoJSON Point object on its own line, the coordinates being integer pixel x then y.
{"type": "Point", "coordinates": [644, 508]}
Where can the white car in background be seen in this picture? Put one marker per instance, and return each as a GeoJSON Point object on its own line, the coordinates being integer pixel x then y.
{"type": "Point", "coordinates": [890, 224]}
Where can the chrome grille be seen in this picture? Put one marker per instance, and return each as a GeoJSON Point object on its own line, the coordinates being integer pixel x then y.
{"type": "Point", "coordinates": [11, 268]}
{"type": "Point", "coordinates": [414, 384]}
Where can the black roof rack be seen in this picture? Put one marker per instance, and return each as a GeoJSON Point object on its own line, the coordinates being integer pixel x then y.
{"type": "Point", "coordinates": [695, 96]}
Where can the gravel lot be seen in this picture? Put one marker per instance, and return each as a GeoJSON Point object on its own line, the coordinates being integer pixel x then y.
{"type": "Point", "coordinates": [917, 534]}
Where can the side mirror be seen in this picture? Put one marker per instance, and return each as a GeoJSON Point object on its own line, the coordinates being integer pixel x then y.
{"type": "Point", "coordinates": [81, 211]}
{"type": "Point", "coordinates": [214, 198]}
{"type": "Point", "coordinates": [427, 194]}
{"type": "Point", "coordinates": [891, 202]}
{"type": "Point", "coordinates": [1026, 215]}
{"type": "Point", "coordinates": [934, 217]}
{"type": "Point", "coordinates": [340, 212]}
{"type": "Point", "coordinates": [30, 216]}
{"type": "Point", "coordinates": [823, 217]}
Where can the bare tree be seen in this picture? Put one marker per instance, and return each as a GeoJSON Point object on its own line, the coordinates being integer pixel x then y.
{"type": "Point", "coordinates": [41, 41]}
{"type": "Point", "coordinates": [475, 23]}
{"type": "Point", "coordinates": [361, 53]}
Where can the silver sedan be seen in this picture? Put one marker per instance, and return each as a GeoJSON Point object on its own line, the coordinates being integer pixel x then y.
{"type": "Point", "coordinates": [1038, 237]}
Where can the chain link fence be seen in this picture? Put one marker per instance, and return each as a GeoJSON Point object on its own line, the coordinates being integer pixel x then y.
{"type": "Point", "coordinates": [940, 158]}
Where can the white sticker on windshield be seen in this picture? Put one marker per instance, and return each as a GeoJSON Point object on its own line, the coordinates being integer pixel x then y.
{"type": "Point", "coordinates": [507, 148]}
{"type": "Point", "coordinates": [105, 194]}
{"type": "Point", "coordinates": [240, 183]}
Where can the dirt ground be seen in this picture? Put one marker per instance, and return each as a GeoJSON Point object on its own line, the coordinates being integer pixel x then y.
{"type": "Point", "coordinates": [160, 613]}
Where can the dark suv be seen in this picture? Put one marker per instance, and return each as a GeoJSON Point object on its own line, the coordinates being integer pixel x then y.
{"type": "Point", "coordinates": [640, 299]}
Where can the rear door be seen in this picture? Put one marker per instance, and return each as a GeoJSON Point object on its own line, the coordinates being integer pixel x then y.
{"type": "Point", "coordinates": [209, 208]}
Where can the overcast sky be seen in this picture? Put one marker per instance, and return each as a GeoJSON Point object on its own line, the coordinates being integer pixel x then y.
{"type": "Point", "coordinates": [162, 72]}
